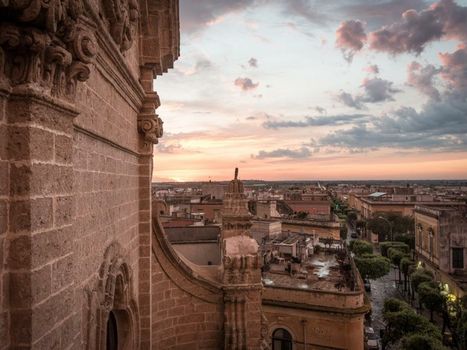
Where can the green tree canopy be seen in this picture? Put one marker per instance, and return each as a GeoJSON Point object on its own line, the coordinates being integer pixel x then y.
{"type": "Point", "coordinates": [372, 266]}
{"type": "Point", "coordinates": [401, 225]}
{"type": "Point", "coordinates": [407, 322]}
{"type": "Point", "coordinates": [430, 296]}
{"type": "Point", "coordinates": [420, 276]}
{"type": "Point", "coordinates": [405, 264]}
{"type": "Point", "coordinates": [360, 247]}
{"type": "Point", "coordinates": [396, 255]}
{"type": "Point", "coordinates": [421, 341]}
{"type": "Point", "coordinates": [408, 239]}
{"type": "Point", "coordinates": [384, 246]}
{"type": "Point", "coordinates": [395, 305]}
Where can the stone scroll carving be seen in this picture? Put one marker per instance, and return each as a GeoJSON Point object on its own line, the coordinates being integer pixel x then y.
{"type": "Point", "coordinates": [49, 44]}
{"type": "Point", "coordinates": [122, 16]}
{"type": "Point", "coordinates": [150, 126]}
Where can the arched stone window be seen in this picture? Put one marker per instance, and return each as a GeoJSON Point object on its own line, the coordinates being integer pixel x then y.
{"type": "Point", "coordinates": [281, 340]}
{"type": "Point", "coordinates": [110, 311]}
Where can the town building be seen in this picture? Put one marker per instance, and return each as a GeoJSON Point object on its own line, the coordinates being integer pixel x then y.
{"type": "Point", "coordinates": [370, 205]}
{"type": "Point", "coordinates": [441, 244]}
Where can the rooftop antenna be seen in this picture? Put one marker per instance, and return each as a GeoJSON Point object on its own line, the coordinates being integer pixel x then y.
{"type": "Point", "coordinates": [236, 173]}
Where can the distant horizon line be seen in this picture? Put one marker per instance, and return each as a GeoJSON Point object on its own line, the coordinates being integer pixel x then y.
{"type": "Point", "coordinates": [320, 180]}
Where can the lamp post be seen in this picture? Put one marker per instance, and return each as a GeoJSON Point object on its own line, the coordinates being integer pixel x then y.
{"type": "Point", "coordinates": [390, 226]}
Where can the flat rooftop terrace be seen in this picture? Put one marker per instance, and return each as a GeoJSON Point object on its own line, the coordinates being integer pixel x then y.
{"type": "Point", "coordinates": [321, 272]}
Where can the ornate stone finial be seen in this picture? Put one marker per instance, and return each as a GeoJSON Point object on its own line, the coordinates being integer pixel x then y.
{"type": "Point", "coordinates": [236, 173]}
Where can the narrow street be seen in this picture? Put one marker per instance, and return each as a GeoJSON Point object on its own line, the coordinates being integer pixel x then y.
{"type": "Point", "coordinates": [381, 289]}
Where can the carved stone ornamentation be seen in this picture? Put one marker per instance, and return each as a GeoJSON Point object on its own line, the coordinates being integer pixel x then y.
{"type": "Point", "coordinates": [149, 123]}
{"type": "Point", "coordinates": [51, 48]}
{"type": "Point", "coordinates": [151, 127]}
{"type": "Point", "coordinates": [113, 292]}
{"type": "Point", "coordinates": [123, 18]}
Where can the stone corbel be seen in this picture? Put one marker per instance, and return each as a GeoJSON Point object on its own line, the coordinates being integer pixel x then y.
{"type": "Point", "coordinates": [149, 123]}
{"type": "Point", "coordinates": [150, 126]}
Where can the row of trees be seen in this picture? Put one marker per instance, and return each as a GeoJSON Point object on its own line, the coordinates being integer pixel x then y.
{"type": "Point", "coordinates": [407, 330]}
{"type": "Point", "coordinates": [370, 266]}
{"type": "Point", "coordinates": [419, 283]}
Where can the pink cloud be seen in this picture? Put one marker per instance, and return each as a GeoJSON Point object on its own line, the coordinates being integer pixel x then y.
{"type": "Point", "coordinates": [454, 70]}
{"type": "Point", "coordinates": [245, 84]}
{"type": "Point", "coordinates": [416, 29]}
{"type": "Point", "coordinates": [421, 78]}
{"type": "Point", "coordinates": [350, 37]}
{"type": "Point", "coordinates": [372, 69]}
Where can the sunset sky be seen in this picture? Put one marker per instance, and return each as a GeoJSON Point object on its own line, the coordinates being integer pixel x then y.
{"type": "Point", "coordinates": [309, 89]}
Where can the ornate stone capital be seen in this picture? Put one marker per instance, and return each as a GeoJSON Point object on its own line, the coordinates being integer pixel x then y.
{"type": "Point", "coordinates": [50, 45]}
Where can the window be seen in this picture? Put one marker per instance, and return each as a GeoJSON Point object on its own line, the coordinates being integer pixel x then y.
{"type": "Point", "coordinates": [430, 236]}
{"type": "Point", "coordinates": [112, 334]}
{"type": "Point", "coordinates": [281, 340]}
{"type": "Point", "coordinates": [457, 258]}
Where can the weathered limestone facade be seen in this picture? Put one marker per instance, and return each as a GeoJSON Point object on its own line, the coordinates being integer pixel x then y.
{"type": "Point", "coordinates": [77, 128]}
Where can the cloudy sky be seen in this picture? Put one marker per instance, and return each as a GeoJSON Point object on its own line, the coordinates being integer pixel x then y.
{"type": "Point", "coordinates": [311, 89]}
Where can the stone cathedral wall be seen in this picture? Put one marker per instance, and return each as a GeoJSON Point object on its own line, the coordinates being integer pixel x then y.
{"type": "Point", "coordinates": [77, 127]}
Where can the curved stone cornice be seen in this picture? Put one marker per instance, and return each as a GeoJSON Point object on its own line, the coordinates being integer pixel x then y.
{"type": "Point", "coordinates": [179, 273]}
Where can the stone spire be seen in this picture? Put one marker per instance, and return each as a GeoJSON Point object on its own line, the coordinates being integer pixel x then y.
{"type": "Point", "coordinates": [240, 272]}
{"type": "Point", "coordinates": [235, 215]}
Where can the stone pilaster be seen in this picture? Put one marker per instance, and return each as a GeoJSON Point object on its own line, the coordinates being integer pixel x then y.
{"type": "Point", "coordinates": [46, 50]}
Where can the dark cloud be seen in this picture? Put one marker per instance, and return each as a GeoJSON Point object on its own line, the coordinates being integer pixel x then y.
{"type": "Point", "coordinates": [453, 17]}
{"type": "Point", "coordinates": [377, 90]}
{"type": "Point", "coordinates": [300, 153]}
{"type": "Point", "coordinates": [350, 38]}
{"type": "Point", "coordinates": [417, 29]}
{"type": "Point", "coordinates": [454, 71]}
{"type": "Point", "coordinates": [253, 62]}
{"type": "Point", "coordinates": [379, 13]}
{"type": "Point", "coordinates": [374, 90]}
{"type": "Point", "coordinates": [332, 120]}
{"type": "Point", "coordinates": [410, 35]}
{"type": "Point", "coordinates": [348, 100]}
{"type": "Point", "coordinates": [438, 126]}
{"type": "Point", "coordinates": [421, 78]}
{"type": "Point", "coordinates": [304, 9]}
{"type": "Point", "coordinates": [245, 84]}
{"type": "Point", "coordinates": [195, 15]}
